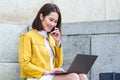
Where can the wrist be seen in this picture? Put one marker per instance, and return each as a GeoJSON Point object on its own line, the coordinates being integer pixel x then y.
{"type": "Point", "coordinates": [58, 43]}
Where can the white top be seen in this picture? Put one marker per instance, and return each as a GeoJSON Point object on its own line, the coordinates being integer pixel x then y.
{"type": "Point", "coordinates": [44, 33]}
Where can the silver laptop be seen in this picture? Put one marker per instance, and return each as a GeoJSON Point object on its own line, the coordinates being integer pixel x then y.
{"type": "Point", "coordinates": [82, 63]}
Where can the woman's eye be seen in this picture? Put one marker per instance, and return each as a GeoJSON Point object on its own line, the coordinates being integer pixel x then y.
{"type": "Point", "coordinates": [51, 19]}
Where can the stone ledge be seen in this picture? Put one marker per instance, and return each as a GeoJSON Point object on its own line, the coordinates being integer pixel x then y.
{"type": "Point", "coordinates": [94, 27]}
{"type": "Point", "coordinates": [9, 71]}
{"type": "Point", "coordinates": [9, 38]}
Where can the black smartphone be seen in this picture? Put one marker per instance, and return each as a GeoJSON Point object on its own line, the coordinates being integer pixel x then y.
{"type": "Point", "coordinates": [52, 29]}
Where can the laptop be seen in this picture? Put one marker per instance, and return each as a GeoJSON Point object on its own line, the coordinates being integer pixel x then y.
{"type": "Point", "coordinates": [82, 63]}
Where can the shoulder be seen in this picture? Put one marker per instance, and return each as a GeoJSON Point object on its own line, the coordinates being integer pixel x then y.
{"type": "Point", "coordinates": [29, 33]}
{"type": "Point", "coordinates": [32, 35]}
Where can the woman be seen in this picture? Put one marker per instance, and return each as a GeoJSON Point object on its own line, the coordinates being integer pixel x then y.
{"type": "Point", "coordinates": [40, 51]}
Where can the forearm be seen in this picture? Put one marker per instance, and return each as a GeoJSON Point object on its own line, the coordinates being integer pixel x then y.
{"type": "Point", "coordinates": [31, 69]}
{"type": "Point", "coordinates": [58, 57]}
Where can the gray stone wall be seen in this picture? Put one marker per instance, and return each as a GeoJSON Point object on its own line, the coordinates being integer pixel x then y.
{"type": "Point", "coordinates": [24, 11]}
{"type": "Point", "coordinates": [101, 38]}
{"type": "Point", "coordinates": [9, 37]}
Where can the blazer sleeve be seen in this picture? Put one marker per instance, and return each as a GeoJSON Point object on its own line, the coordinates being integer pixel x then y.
{"type": "Point", "coordinates": [25, 58]}
{"type": "Point", "coordinates": [58, 57]}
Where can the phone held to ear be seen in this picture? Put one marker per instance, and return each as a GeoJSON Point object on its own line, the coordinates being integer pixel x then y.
{"type": "Point", "coordinates": [53, 29]}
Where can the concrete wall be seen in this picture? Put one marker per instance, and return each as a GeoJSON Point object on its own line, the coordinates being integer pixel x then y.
{"type": "Point", "coordinates": [24, 11]}
{"type": "Point", "coordinates": [101, 38]}
{"type": "Point", "coordinates": [19, 11]}
{"type": "Point", "coordinates": [9, 37]}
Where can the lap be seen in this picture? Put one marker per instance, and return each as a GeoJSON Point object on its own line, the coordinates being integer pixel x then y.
{"type": "Point", "coordinates": [69, 76]}
{"type": "Point", "coordinates": [44, 77]}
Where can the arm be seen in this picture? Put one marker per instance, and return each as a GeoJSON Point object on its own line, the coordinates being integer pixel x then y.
{"type": "Point", "coordinates": [58, 49]}
{"type": "Point", "coordinates": [25, 58]}
{"type": "Point", "coordinates": [58, 57]}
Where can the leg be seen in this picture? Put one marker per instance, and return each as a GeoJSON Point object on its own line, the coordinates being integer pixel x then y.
{"type": "Point", "coordinates": [83, 77]}
{"type": "Point", "coordinates": [71, 76]}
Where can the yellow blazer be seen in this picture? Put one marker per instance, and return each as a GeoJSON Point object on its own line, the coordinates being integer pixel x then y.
{"type": "Point", "coordinates": [34, 56]}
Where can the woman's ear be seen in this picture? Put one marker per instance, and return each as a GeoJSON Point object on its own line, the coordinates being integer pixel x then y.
{"type": "Point", "coordinates": [41, 17]}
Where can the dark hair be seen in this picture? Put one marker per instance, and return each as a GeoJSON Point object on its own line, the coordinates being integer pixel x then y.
{"type": "Point", "coordinates": [46, 10]}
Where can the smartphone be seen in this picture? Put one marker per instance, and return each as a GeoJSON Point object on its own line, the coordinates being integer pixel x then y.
{"type": "Point", "coordinates": [52, 29]}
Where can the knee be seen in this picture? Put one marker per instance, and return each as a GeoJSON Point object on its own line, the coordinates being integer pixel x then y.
{"type": "Point", "coordinates": [83, 77]}
{"type": "Point", "coordinates": [73, 76]}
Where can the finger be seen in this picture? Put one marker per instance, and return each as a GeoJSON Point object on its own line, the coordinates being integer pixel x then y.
{"type": "Point", "coordinates": [62, 70]}
{"type": "Point", "coordinates": [46, 72]}
{"type": "Point", "coordinates": [55, 70]}
{"type": "Point", "coordinates": [55, 33]}
{"type": "Point", "coordinates": [56, 30]}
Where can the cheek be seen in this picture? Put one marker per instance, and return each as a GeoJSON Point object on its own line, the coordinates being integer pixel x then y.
{"type": "Point", "coordinates": [55, 24]}
{"type": "Point", "coordinates": [45, 23]}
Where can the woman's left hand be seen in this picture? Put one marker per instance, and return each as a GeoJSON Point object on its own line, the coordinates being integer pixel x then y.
{"type": "Point", "coordinates": [57, 36]}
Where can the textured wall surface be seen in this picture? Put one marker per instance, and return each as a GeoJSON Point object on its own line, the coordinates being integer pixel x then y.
{"type": "Point", "coordinates": [19, 11]}
{"type": "Point", "coordinates": [101, 38]}
{"type": "Point", "coordinates": [108, 49]}
{"type": "Point", "coordinates": [24, 11]}
{"type": "Point", "coordinates": [9, 37]}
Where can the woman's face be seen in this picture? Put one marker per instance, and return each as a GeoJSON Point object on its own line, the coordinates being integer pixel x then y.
{"type": "Point", "coordinates": [49, 21]}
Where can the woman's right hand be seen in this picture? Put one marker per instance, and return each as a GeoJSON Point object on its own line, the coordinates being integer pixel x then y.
{"type": "Point", "coordinates": [53, 71]}
{"type": "Point", "coordinates": [57, 36]}
{"type": "Point", "coordinates": [58, 70]}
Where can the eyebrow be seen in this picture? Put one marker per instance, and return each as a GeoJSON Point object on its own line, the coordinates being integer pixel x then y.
{"type": "Point", "coordinates": [53, 18]}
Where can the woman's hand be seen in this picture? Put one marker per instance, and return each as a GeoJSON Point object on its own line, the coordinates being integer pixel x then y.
{"type": "Point", "coordinates": [46, 72]}
{"type": "Point", "coordinates": [57, 70]}
{"type": "Point", "coordinates": [53, 71]}
{"type": "Point", "coordinates": [57, 36]}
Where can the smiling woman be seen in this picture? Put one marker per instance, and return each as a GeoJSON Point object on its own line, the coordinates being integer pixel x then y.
{"type": "Point", "coordinates": [40, 50]}
{"type": "Point", "coordinates": [49, 21]}
{"type": "Point", "coordinates": [46, 11]}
